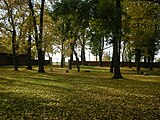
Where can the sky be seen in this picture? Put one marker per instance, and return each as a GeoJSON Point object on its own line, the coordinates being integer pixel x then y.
{"type": "Point", "coordinates": [89, 56]}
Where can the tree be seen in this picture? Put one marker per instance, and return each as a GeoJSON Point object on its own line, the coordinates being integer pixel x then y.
{"type": "Point", "coordinates": [38, 38]}
{"type": "Point", "coordinates": [29, 56]}
{"type": "Point", "coordinates": [51, 35]}
{"type": "Point", "coordinates": [114, 23]}
{"type": "Point", "coordinates": [29, 52]}
{"type": "Point", "coordinates": [153, 1]}
{"type": "Point", "coordinates": [98, 37]}
{"type": "Point", "coordinates": [40, 51]}
{"type": "Point", "coordinates": [13, 19]}
{"type": "Point", "coordinates": [143, 25]}
{"type": "Point", "coordinates": [117, 33]}
{"type": "Point", "coordinates": [73, 13]}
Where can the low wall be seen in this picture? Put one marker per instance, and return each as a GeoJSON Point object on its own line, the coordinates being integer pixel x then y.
{"type": "Point", "coordinates": [124, 64]}
{"type": "Point", "coordinates": [35, 62]}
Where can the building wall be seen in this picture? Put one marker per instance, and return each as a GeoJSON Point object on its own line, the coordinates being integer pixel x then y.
{"type": "Point", "coordinates": [7, 59]}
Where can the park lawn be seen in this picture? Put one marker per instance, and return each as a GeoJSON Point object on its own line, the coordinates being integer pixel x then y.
{"type": "Point", "coordinates": [59, 95]}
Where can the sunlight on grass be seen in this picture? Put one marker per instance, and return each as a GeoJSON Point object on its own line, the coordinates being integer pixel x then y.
{"type": "Point", "coordinates": [94, 95]}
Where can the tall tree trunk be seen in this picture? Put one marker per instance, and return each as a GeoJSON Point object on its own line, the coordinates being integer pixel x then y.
{"type": "Point", "coordinates": [112, 62]}
{"type": "Point", "coordinates": [100, 51]}
{"type": "Point", "coordinates": [123, 53]}
{"type": "Point", "coordinates": [41, 53]}
{"type": "Point", "coordinates": [117, 41]}
{"type": "Point", "coordinates": [100, 58]}
{"type": "Point", "coordinates": [15, 56]}
{"type": "Point", "coordinates": [96, 57]}
{"type": "Point", "coordinates": [153, 44]}
{"type": "Point", "coordinates": [116, 64]}
{"type": "Point", "coordinates": [82, 42]}
{"type": "Point", "coordinates": [62, 60]}
{"type": "Point", "coordinates": [29, 57]}
{"type": "Point", "coordinates": [138, 58]}
{"type": "Point", "coordinates": [145, 62]}
{"type": "Point", "coordinates": [41, 61]}
{"type": "Point", "coordinates": [77, 60]}
{"type": "Point", "coordinates": [83, 58]}
{"type": "Point", "coordinates": [71, 56]}
{"type": "Point", "coordinates": [62, 55]}
{"type": "Point", "coordinates": [152, 59]}
{"type": "Point", "coordinates": [38, 40]}
{"type": "Point", "coordinates": [130, 56]}
{"type": "Point", "coordinates": [70, 61]}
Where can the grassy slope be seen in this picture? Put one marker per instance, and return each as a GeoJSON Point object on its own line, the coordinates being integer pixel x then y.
{"type": "Point", "coordinates": [86, 95]}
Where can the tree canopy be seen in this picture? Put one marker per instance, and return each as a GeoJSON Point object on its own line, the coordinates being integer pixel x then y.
{"type": "Point", "coordinates": [77, 24]}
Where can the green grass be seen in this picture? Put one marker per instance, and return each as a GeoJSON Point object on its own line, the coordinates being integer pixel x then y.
{"type": "Point", "coordinates": [58, 95]}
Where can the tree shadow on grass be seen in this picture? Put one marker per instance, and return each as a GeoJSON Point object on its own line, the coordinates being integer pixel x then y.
{"type": "Point", "coordinates": [33, 84]}
{"type": "Point", "coordinates": [16, 106]}
{"type": "Point", "coordinates": [36, 103]}
{"type": "Point", "coordinates": [101, 99]}
{"type": "Point", "coordinates": [144, 72]}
